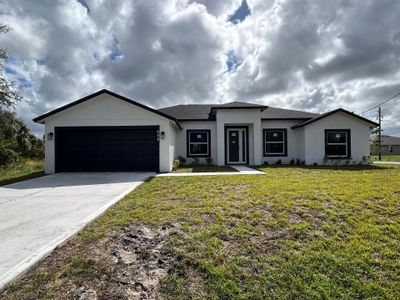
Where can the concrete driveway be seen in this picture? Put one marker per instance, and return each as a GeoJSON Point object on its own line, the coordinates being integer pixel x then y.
{"type": "Point", "coordinates": [38, 214]}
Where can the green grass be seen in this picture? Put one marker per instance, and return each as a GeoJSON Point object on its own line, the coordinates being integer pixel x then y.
{"type": "Point", "coordinates": [204, 168]}
{"type": "Point", "coordinates": [22, 171]}
{"type": "Point", "coordinates": [387, 157]}
{"type": "Point", "coordinates": [294, 233]}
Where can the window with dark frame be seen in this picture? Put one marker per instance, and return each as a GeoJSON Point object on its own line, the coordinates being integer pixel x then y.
{"type": "Point", "coordinates": [198, 143]}
{"type": "Point", "coordinates": [337, 143]}
{"type": "Point", "coordinates": [275, 142]}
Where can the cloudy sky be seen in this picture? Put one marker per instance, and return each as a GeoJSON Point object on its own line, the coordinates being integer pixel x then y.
{"type": "Point", "coordinates": [312, 55]}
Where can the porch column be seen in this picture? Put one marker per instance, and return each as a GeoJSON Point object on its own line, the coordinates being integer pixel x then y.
{"type": "Point", "coordinates": [257, 142]}
{"type": "Point", "coordinates": [220, 143]}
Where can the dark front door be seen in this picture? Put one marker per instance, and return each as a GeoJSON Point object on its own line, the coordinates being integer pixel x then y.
{"type": "Point", "coordinates": [236, 144]}
{"type": "Point", "coordinates": [90, 149]}
{"type": "Point", "coordinates": [233, 142]}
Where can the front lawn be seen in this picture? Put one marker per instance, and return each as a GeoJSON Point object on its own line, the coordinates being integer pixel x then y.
{"type": "Point", "coordinates": [27, 169]}
{"type": "Point", "coordinates": [294, 233]}
{"type": "Point", "coordinates": [387, 158]}
{"type": "Point", "coordinates": [203, 168]}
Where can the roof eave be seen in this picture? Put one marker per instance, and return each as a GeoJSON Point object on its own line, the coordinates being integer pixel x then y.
{"type": "Point", "coordinates": [320, 117]}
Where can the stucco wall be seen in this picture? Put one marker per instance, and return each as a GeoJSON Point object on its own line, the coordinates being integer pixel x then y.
{"type": "Point", "coordinates": [314, 137]}
{"type": "Point", "coordinates": [105, 110]}
{"type": "Point", "coordinates": [181, 142]}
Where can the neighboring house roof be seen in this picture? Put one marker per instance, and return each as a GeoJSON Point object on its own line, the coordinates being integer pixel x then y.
{"type": "Point", "coordinates": [104, 91]}
{"type": "Point", "coordinates": [322, 116]}
{"type": "Point", "coordinates": [205, 111]}
{"type": "Point", "coordinates": [387, 140]}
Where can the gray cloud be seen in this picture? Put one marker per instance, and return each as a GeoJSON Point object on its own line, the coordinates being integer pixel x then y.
{"type": "Point", "coordinates": [311, 55]}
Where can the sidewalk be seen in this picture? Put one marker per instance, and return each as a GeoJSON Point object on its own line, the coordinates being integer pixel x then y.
{"type": "Point", "coordinates": [242, 170]}
{"type": "Point", "coordinates": [386, 162]}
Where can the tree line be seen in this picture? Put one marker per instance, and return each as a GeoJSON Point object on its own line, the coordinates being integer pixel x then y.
{"type": "Point", "coordinates": [17, 142]}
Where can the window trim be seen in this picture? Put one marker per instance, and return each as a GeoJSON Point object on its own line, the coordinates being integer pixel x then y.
{"type": "Point", "coordinates": [348, 143]}
{"type": "Point", "coordinates": [188, 132]}
{"type": "Point", "coordinates": [284, 142]}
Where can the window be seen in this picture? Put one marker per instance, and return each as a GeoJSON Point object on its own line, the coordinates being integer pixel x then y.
{"type": "Point", "coordinates": [337, 143]}
{"type": "Point", "coordinates": [275, 142]}
{"type": "Point", "coordinates": [198, 143]}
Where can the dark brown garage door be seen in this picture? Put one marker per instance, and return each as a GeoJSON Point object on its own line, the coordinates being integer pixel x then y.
{"type": "Point", "coordinates": [96, 149]}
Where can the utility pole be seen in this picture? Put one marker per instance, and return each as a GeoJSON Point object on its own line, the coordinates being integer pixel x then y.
{"type": "Point", "coordinates": [380, 132]}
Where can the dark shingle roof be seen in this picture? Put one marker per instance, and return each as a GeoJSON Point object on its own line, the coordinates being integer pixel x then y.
{"type": "Point", "coordinates": [237, 104]}
{"type": "Point", "coordinates": [189, 111]}
{"type": "Point", "coordinates": [281, 113]}
{"type": "Point", "coordinates": [202, 111]}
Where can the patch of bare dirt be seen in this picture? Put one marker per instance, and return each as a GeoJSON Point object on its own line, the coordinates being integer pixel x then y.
{"type": "Point", "coordinates": [140, 262]}
{"type": "Point", "coordinates": [128, 263]}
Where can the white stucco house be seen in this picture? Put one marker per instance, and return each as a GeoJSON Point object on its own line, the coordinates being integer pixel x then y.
{"type": "Point", "coordinates": [108, 132]}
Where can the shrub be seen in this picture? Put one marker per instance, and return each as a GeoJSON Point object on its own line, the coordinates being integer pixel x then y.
{"type": "Point", "coordinates": [181, 159]}
{"type": "Point", "coordinates": [209, 160]}
{"type": "Point", "coordinates": [315, 164]}
{"type": "Point", "coordinates": [176, 164]}
{"type": "Point", "coordinates": [298, 162]}
{"type": "Point", "coordinates": [8, 157]}
{"type": "Point", "coordinates": [266, 163]}
{"type": "Point", "coordinates": [279, 162]}
{"type": "Point", "coordinates": [291, 161]}
{"type": "Point", "coordinates": [196, 161]}
{"type": "Point", "coordinates": [302, 162]}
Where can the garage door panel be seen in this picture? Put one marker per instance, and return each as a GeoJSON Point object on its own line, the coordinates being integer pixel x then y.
{"type": "Point", "coordinates": [107, 149]}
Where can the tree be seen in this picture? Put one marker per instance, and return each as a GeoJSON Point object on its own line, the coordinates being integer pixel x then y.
{"type": "Point", "coordinates": [16, 139]}
{"type": "Point", "coordinates": [8, 96]}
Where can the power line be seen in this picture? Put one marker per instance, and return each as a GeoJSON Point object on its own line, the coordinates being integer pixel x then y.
{"type": "Point", "coordinates": [384, 102]}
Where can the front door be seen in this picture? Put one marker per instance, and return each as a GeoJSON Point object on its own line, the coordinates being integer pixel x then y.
{"type": "Point", "coordinates": [236, 145]}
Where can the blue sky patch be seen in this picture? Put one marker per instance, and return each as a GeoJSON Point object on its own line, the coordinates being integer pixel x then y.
{"type": "Point", "coordinates": [240, 14]}
{"type": "Point", "coordinates": [84, 4]}
{"type": "Point", "coordinates": [19, 80]}
{"type": "Point", "coordinates": [115, 51]}
{"type": "Point", "coordinates": [233, 61]}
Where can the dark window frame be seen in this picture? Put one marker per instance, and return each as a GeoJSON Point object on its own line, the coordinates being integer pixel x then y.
{"type": "Point", "coordinates": [188, 132]}
{"type": "Point", "coordinates": [285, 147]}
{"type": "Point", "coordinates": [348, 143]}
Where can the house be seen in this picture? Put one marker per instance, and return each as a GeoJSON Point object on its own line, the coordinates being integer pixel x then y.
{"type": "Point", "coordinates": [390, 145]}
{"type": "Point", "coordinates": [108, 132]}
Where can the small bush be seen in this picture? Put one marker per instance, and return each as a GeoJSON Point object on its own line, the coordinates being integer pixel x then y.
{"type": "Point", "coordinates": [291, 161]}
{"type": "Point", "coordinates": [266, 163]}
{"type": "Point", "coordinates": [8, 157]}
{"type": "Point", "coordinates": [315, 164]}
{"type": "Point", "coordinates": [298, 162]}
{"type": "Point", "coordinates": [196, 161]}
{"type": "Point", "coordinates": [176, 164]}
{"type": "Point", "coordinates": [209, 160]}
{"type": "Point", "coordinates": [279, 162]}
{"type": "Point", "coordinates": [181, 159]}
{"type": "Point", "coordinates": [302, 162]}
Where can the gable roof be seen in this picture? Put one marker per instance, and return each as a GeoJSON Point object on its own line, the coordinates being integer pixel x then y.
{"type": "Point", "coordinates": [322, 116]}
{"type": "Point", "coordinates": [104, 91]}
{"type": "Point", "coordinates": [205, 112]}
